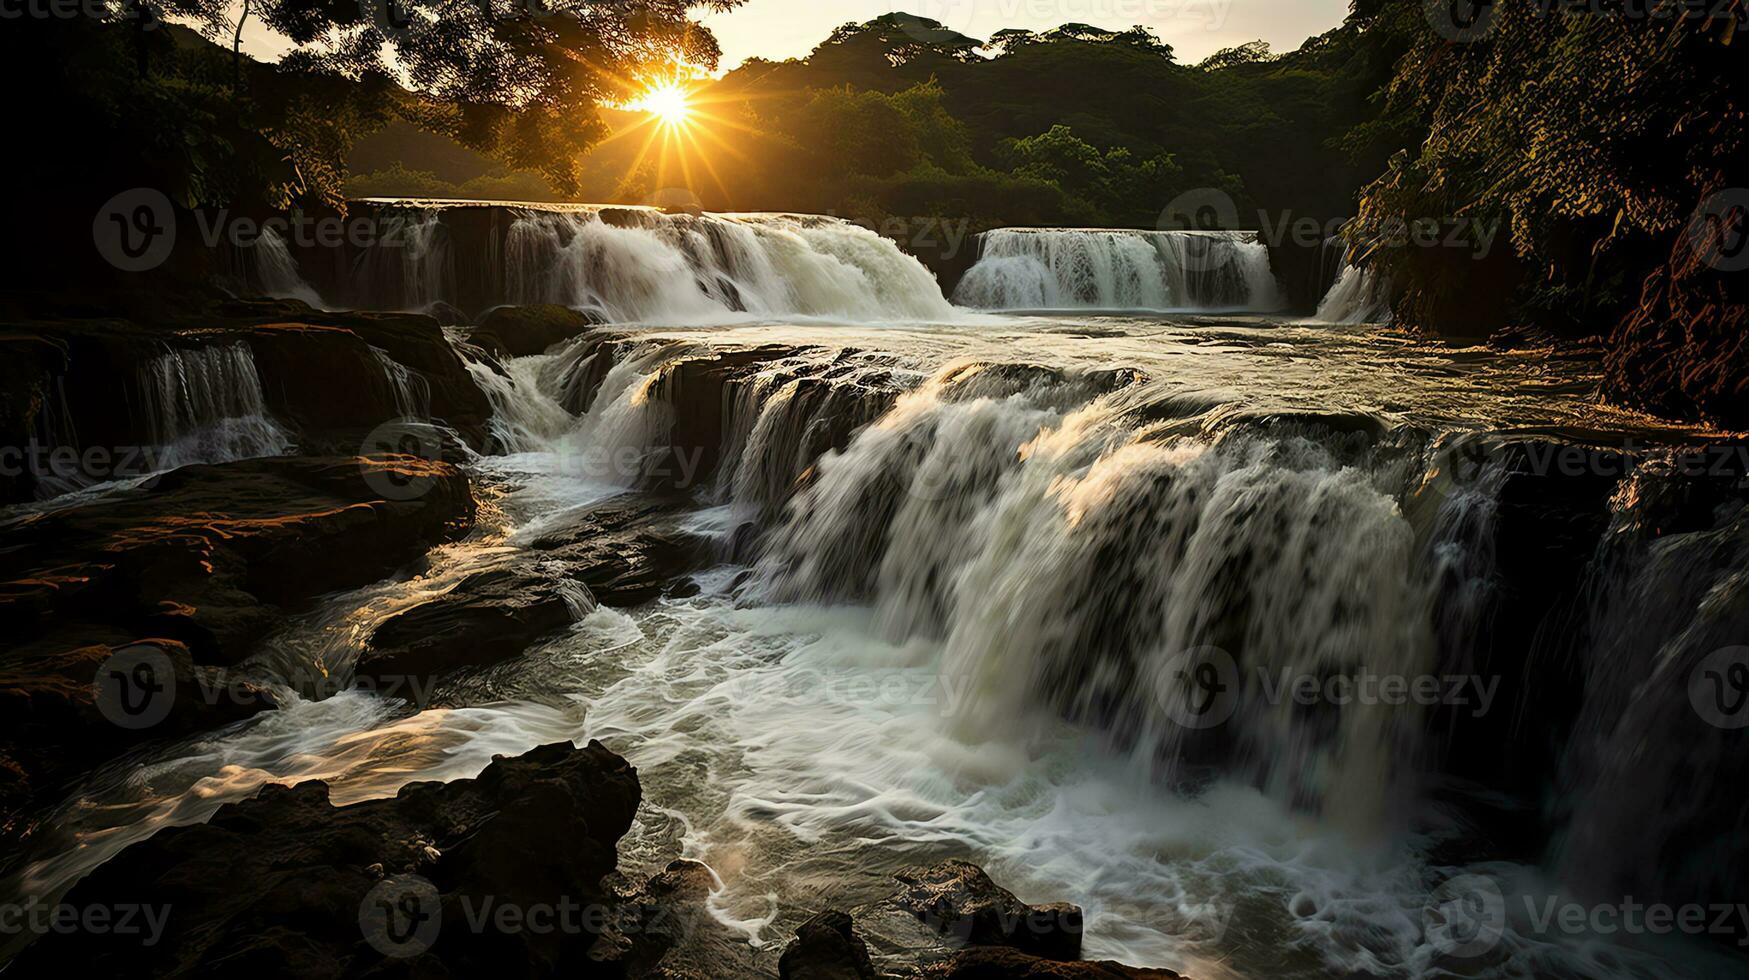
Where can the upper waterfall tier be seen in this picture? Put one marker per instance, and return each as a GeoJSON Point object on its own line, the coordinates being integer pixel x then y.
{"type": "Point", "coordinates": [1093, 269]}
{"type": "Point", "coordinates": [628, 265]}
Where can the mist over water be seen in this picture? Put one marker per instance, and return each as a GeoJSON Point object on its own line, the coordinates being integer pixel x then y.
{"type": "Point", "coordinates": [963, 633]}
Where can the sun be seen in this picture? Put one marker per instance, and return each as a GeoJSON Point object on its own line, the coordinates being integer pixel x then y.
{"type": "Point", "coordinates": [668, 102]}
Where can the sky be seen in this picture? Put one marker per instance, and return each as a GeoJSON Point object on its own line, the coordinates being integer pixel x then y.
{"type": "Point", "coordinates": [778, 29]}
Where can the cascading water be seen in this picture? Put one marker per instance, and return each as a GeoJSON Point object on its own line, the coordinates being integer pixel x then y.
{"type": "Point", "coordinates": [277, 271]}
{"type": "Point", "coordinates": [1360, 295]}
{"type": "Point", "coordinates": [411, 391]}
{"type": "Point", "coordinates": [1046, 269]}
{"type": "Point", "coordinates": [206, 406]}
{"type": "Point", "coordinates": [649, 266]}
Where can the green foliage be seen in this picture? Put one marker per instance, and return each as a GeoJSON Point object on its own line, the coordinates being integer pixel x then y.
{"type": "Point", "coordinates": [1591, 138]}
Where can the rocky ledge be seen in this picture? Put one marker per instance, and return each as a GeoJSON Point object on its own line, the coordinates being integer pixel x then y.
{"type": "Point", "coordinates": [197, 565]}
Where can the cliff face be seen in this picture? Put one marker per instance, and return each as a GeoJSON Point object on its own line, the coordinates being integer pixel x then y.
{"type": "Point", "coordinates": [1683, 351]}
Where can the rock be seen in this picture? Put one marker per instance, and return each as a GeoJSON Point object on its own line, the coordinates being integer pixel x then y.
{"type": "Point", "coordinates": [519, 331]}
{"type": "Point", "coordinates": [444, 879]}
{"type": "Point", "coordinates": [53, 727]}
{"type": "Point", "coordinates": [826, 947]}
{"type": "Point", "coordinates": [1008, 964]}
{"type": "Point", "coordinates": [626, 554]}
{"type": "Point", "coordinates": [959, 902]}
{"type": "Point", "coordinates": [488, 617]}
{"type": "Point", "coordinates": [664, 929]}
{"type": "Point", "coordinates": [210, 555]}
{"type": "Point", "coordinates": [695, 386]}
{"type": "Point", "coordinates": [1683, 352]}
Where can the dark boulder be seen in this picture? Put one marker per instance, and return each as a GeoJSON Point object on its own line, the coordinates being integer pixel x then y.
{"type": "Point", "coordinates": [443, 880]}
{"type": "Point", "coordinates": [959, 902]}
{"type": "Point", "coordinates": [826, 947]}
{"type": "Point", "coordinates": [519, 331]}
{"type": "Point", "coordinates": [487, 618]}
{"type": "Point", "coordinates": [626, 553]}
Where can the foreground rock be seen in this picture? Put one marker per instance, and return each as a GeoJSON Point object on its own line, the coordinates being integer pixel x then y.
{"type": "Point", "coordinates": [445, 879]}
{"type": "Point", "coordinates": [960, 903]}
{"type": "Point", "coordinates": [63, 711]}
{"type": "Point", "coordinates": [949, 921]}
{"type": "Point", "coordinates": [199, 564]}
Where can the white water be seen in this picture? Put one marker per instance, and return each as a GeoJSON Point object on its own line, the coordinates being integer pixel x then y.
{"type": "Point", "coordinates": [1360, 295]}
{"type": "Point", "coordinates": [1049, 269]}
{"type": "Point", "coordinates": [683, 268]}
{"type": "Point", "coordinates": [278, 271]}
{"type": "Point", "coordinates": [206, 406]}
{"type": "Point", "coordinates": [412, 393]}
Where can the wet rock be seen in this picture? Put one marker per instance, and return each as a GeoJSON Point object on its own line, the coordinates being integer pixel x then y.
{"type": "Point", "coordinates": [519, 331]}
{"type": "Point", "coordinates": [1008, 964]}
{"type": "Point", "coordinates": [487, 618]}
{"type": "Point", "coordinates": [67, 705]}
{"type": "Point", "coordinates": [211, 555]}
{"type": "Point", "coordinates": [626, 554]}
{"type": "Point", "coordinates": [695, 387]}
{"type": "Point", "coordinates": [444, 879]}
{"type": "Point", "coordinates": [664, 929]}
{"type": "Point", "coordinates": [826, 947]}
{"type": "Point", "coordinates": [959, 902]}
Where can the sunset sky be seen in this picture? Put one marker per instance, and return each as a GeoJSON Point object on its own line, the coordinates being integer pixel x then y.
{"type": "Point", "coordinates": [779, 29]}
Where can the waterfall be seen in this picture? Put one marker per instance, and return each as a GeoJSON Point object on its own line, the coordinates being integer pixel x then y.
{"type": "Point", "coordinates": [1360, 295]}
{"type": "Point", "coordinates": [277, 272]}
{"type": "Point", "coordinates": [648, 266]}
{"type": "Point", "coordinates": [1063, 555]}
{"type": "Point", "coordinates": [206, 406]}
{"type": "Point", "coordinates": [411, 391]}
{"type": "Point", "coordinates": [1040, 269]}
